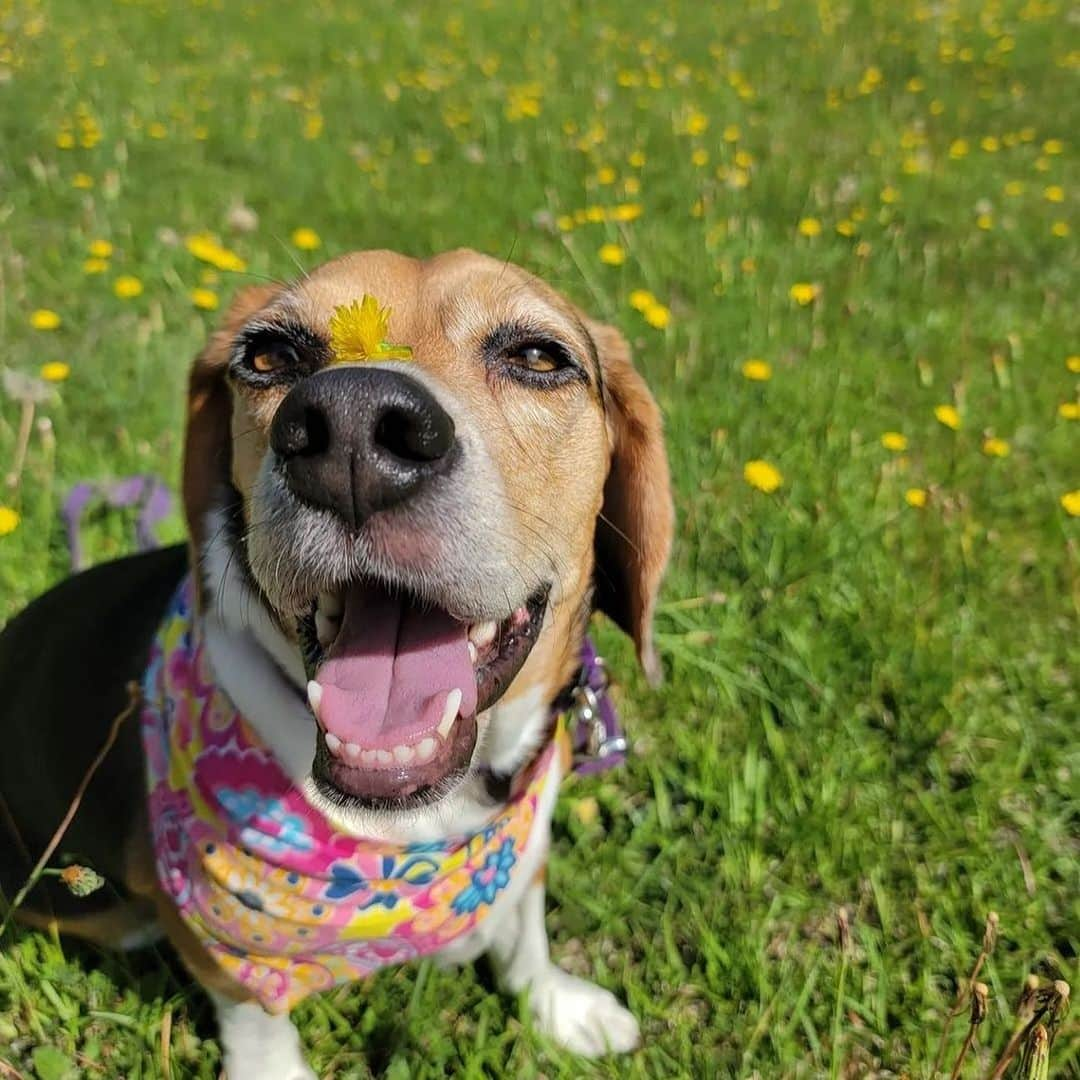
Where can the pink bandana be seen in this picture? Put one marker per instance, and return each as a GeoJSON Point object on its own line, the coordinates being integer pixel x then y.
{"type": "Point", "coordinates": [284, 903]}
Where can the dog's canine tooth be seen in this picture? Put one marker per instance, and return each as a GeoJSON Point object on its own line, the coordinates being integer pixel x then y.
{"type": "Point", "coordinates": [481, 634]}
{"type": "Point", "coordinates": [314, 696]}
{"type": "Point", "coordinates": [326, 628]}
{"type": "Point", "coordinates": [331, 604]}
{"type": "Point", "coordinates": [450, 712]}
{"type": "Point", "coordinates": [333, 743]}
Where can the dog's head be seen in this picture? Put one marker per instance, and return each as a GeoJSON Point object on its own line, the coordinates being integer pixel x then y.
{"type": "Point", "coordinates": [428, 531]}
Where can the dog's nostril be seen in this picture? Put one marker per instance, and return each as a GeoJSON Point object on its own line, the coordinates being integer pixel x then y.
{"type": "Point", "coordinates": [306, 435]}
{"type": "Point", "coordinates": [420, 437]}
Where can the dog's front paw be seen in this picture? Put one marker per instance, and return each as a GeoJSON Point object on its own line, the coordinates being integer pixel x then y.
{"type": "Point", "coordinates": [582, 1017]}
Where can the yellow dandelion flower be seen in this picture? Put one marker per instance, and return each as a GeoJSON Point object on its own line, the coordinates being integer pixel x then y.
{"type": "Point", "coordinates": [894, 441]}
{"type": "Point", "coordinates": [626, 212]}
{"type": "Point", "coordinates": [763, 476]}
{"type": "Point", "coordinates": [1073, 364]}
{"type": "Point", "coordinates": [657, 316]}
{"type": "Point", "coordinates": [55, 371]}
{"type": "Point", "coordinates": [947, 415]}
{"type": "Point", "coordinates": [845, 227]}
{"type": "Point", "coordinates": [1027, 134]}
{"type": "Point", "coordinates": [206, 248]}
{"type": "Point", "coordinates": [358, 332]}
{"type": "Point", "coordinates": [422, 155]}
{"type": "Point", "coordinates": [95, 266]}
{"type": "Point", "coordinates": [916, 497]}
{"type": "Point", "coordinates": [564, 222]}
{"type": "Point", "coordinates": [990, 143]}
{"type": "Point", "coordinates": [1054, 193]}
{"type": "Point", "coordinates": [1069, 410]}
{"type": "Point", "coordinates": [306, 239]}
{"type": "Point", "coordinates": [958, 148]}
{"type": "Point", "coordinates": [700, 157]}
{"type": "Point", "coordinates": [127, 287]}
{"type": "Point", "coordinates": [204, 299]}
{"type": "Point", "coordinates": [985, 222]}
{"type": "Point", "coordinates": [612, 255]}
{"type": "Point", "coordinates": [606, 175]}
{"type": "Point", "coordinates": [757, 370]}
{"type": "Point", "coordinates": [809, 226]}
{"type": "Point", "coordinates": [65, 140]}
{"type": "Point", "coordinates": [100, 249]}
{"type": "Point", "coordinates": [994, 447]}
{"type": "Point", "coordinates": [1060, 229]}
{"type": "Point", "coordinates": [1053, 146]}
{"type": "Point", "coordinates": [803, 293]}
{"type": "Point", "coordinates": [732, 133]}
{"type": "Point", "coordinates": [82, 181]}
{"type": "Point", "coordinates": [9, 520]}
{"type": "Point", "coordinates": [1070, 503]}
{"type": "Point", "coordinates": [889, 195]}
{"type": "Point", "coordinates": [916, 85]}
{"type": "Point", "coordinates": [640, 299]}
{"type": "Point", "coordinates": [636, 159]}
{"type": "Point", "coordinates": [595, 214]}
{"type": "Point", "coordinates": [157, 130]}
{"type": "Point", "coordinates": [748, 264]}
{"type": "Point", "coordinates": [44, 319]}
{"type": "Point", "coordinates": [1014, 188]}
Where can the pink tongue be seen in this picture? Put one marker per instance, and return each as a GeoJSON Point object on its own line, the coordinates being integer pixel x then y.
{"type": "Point", "coordinates": [386, 678]}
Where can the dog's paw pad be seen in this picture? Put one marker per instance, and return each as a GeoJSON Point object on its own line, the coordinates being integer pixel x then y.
{"type": "Point", "coordinates": [582, 1017]}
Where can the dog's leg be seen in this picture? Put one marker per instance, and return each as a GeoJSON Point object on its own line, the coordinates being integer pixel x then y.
{"type": "Point", "coordinates": [258, 1045]}
{"type": "Point", "coordinates": [577, 1014]}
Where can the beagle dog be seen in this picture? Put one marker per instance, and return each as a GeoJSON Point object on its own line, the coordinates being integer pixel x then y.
{"type": "Point", "coordinates": [407, 484]}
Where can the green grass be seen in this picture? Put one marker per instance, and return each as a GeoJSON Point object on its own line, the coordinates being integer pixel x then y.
{"type": "Point", "coordinates": [869, 705]}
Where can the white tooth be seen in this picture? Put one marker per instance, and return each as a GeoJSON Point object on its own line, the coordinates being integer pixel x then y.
{"type": "Point", "coordinates": [472, 653]}
{"type": "Point", "coordinates": [331, 604]}
{"type": "Point", "coordinates": [384, 757]}
{"type": "Point", "coordinates": [450, 712]}
{"type": "Point", "coordinates": [333, 743]}
{"type": "Point", "coordinates": [403, 754]}
{"type": "Point", "coordinates": [314, 696]}
{"type": "Point", "coordinates": [482, 634]}
{"type": "Point", "coordinates": [352, 750]}
{"type": "Point", "coordinates": [368, 758]}
{"type": "Point", "coordinates": [424, 749]}
{"type": "Point", "coordinates": [326, 628]}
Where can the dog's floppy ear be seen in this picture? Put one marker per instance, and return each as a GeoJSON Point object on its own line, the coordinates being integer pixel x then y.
{"type": "Point", "coordinates": [633, 534]}
{"type": "Point", "coordinates": [208, 436]}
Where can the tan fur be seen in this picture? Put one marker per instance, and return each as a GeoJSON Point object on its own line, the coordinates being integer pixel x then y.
{"type": "Point", "coordinates": [552, 459]}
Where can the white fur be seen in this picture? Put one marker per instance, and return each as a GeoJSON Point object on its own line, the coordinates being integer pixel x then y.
{"type": "Point", "coordinates": [258, 1045]}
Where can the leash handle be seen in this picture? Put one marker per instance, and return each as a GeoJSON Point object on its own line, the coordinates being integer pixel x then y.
{"type": "Point", "coordinates": [146, 491]}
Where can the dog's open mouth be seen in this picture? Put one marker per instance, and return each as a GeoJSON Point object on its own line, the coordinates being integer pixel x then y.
{"type": "Point", "coordinates": [396, 686]}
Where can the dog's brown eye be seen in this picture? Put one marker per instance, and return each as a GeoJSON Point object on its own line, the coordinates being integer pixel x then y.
{"type": "Point", "coordinates": [274, 357]}
{"type": "Point", "coordinates": [536, 359]}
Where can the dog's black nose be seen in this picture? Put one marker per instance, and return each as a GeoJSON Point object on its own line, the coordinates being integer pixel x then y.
{"type": "Point", "coordinates": [357, 440]}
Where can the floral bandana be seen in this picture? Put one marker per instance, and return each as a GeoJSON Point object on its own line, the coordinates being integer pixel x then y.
{"type": "Point", "coordinates": [284, 903]}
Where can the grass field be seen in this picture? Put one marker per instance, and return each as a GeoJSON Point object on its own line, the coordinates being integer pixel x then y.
{"type": "Point", "coordinates": [870, 713]}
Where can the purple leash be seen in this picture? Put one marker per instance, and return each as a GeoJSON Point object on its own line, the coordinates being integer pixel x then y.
{"type": "Point", "coordinates": [147, 492]}
{"type": "Point", "coordinates": [597, 737]}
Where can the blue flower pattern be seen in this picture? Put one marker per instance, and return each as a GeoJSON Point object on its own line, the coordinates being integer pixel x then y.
{"type": "Point", "coordinates": [488, 881]}
{"type": "Point", "coordinates": [245, 805]}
